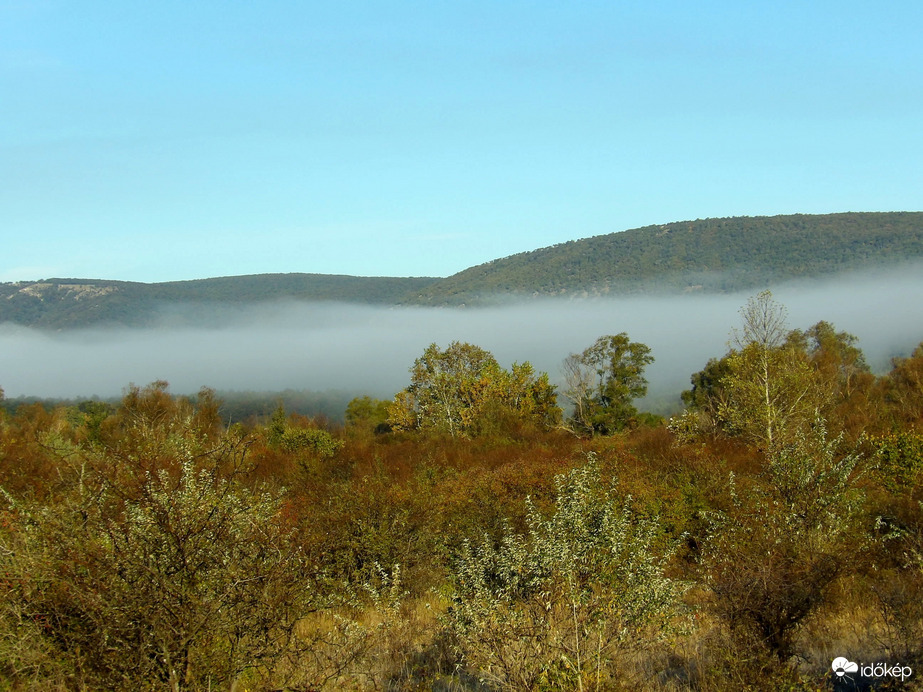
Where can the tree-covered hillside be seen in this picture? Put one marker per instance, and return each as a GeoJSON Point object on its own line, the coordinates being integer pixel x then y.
{"type": "Point", "coordinates": [710, 255]}
{"type": "Point", "coordinates": [72, 303]}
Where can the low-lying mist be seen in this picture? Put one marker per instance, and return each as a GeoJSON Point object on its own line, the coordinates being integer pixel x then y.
{"type": "Point", "coordinates": [335, 346]}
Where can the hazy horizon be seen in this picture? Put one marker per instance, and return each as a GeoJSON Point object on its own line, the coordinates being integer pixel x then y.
{"type": "Point", "coordinates": [323, 346]}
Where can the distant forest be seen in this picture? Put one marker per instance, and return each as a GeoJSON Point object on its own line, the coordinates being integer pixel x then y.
{"type": "Point", "coordinates": [75, 303]}
{"type": "Point", "coordinates": [710, 255]}
{"type": "Point", "coordinates": [236, 406]}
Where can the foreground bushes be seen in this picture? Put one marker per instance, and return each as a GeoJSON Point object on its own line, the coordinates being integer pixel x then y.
{"type": "Point", "coordinates": [147, 547]}
{"type": "Point", "coordinates": [158, 564]}
{"type": "Point", "coordinates": [557, 607]}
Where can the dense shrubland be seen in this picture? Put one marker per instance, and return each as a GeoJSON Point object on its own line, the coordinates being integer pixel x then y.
{"type": "Point", "coordinates": [468, 535]}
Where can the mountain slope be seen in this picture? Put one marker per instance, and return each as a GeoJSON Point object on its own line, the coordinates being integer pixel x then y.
{"type": "Point", "coordinates": [73, 303]}
{"type": "Point", "coordinates": [711, 255]}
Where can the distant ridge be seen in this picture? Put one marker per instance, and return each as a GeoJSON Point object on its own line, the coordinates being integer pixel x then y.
{"type": "Point", "coordinates": [73, 303]}
{"type": "Point", "coordinates": [708, 255]}
{"type": "Point", "coordinates": [711, 255]}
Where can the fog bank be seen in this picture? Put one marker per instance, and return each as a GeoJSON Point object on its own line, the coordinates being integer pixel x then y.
{"type": "Point", "coordinates": [334, 346]}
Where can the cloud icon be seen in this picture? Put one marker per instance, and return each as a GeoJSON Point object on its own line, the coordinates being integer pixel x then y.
{"type": "Point", "coordinates": [841, 666]}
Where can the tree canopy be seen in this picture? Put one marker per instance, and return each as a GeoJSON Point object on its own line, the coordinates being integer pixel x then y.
{"type": "Point", "coordinates": [463, 391]}
{"type": "Point", "coordinates": [603, 382]}
{"type": "Point", "coordinates": [775, 383]}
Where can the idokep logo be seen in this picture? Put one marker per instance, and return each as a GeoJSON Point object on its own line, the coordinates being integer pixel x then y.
{"type": "Point", "coordinates": [842, 667]}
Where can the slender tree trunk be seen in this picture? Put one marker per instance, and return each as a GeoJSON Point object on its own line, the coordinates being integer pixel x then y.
{"type": "Point", "coordinates": [767, 399]}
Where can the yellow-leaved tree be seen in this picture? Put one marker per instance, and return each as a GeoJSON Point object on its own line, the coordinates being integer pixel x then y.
{"type": "Point", "coordinates": [463, 391]}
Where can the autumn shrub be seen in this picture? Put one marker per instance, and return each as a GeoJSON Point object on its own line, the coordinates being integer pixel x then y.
{"type": "Point", "coordinates": [300, 438]}
{"type": "Point", "coordinates": [366, 416]}
{"type": "Point", "coordinates": [27, 441]}
{"type": "Point", "coordinates": [371, 524]}
{"type": "Point", "coordinates": [780, 548]}
{"type": "Point", "coordinates": [897, 594]}
{"type": "Point", "coordinates": [554, 608]}
{"type": "Point", "coordinates": [896, 581]}
{"type": "Point", "coordinates": [900, 460]}
{"type": "Point", "coordinates": [161, 564]}
{"type": "Point", "coordinates": [190, 580]}
{"type": "Point", "coordinates": [902, 391]}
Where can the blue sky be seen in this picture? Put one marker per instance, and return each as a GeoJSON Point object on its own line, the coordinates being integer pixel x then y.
{"type": "Point", "coordinates": [178, 140]}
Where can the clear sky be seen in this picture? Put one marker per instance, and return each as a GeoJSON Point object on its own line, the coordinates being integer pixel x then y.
{"type": "Point", "coordinates": [154, 141]}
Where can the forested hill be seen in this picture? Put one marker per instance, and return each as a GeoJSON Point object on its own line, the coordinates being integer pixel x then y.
{"type": "Point", "coordinates": [712, 255]}
{"type": "Point", "coordinates": [73, 303]}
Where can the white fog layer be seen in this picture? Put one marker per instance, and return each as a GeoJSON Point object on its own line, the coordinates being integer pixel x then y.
{"type": "Point", "coordinates": [335, 346]}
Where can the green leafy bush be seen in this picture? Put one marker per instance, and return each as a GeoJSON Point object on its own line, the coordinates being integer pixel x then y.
{"type": "Point", "coordinates": [554, 608]}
